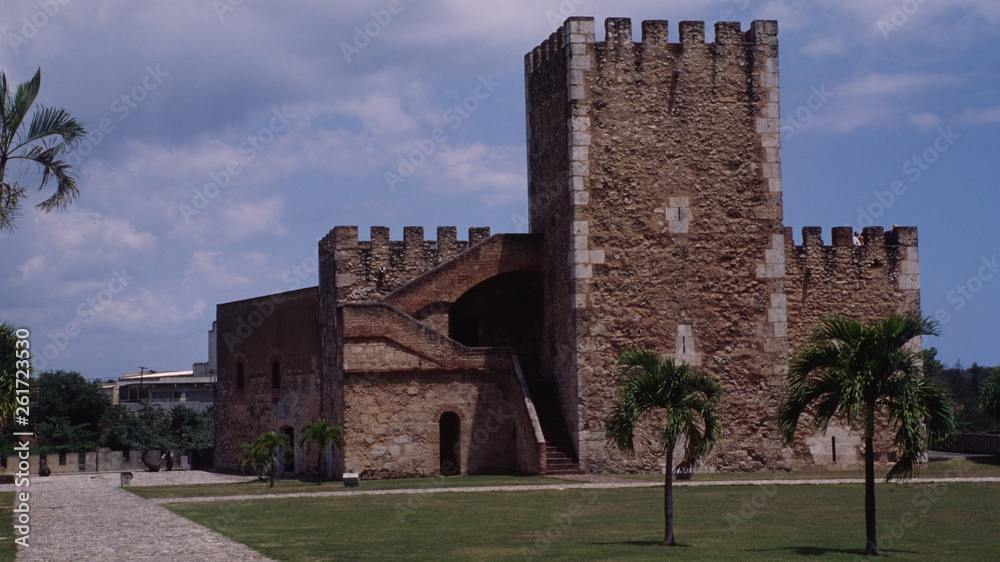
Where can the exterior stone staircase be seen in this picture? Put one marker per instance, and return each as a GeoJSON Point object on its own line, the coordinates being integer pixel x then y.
{"type": "Point", "coordinates": [560, 456]}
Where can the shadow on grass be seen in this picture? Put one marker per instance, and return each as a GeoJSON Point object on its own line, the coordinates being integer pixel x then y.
{"type": "Point", "coordinates": [658, 544]}
{"type": "Point", "coordinates": [991, 461]}
{"type": "Point", "coordinates": [814, 551]}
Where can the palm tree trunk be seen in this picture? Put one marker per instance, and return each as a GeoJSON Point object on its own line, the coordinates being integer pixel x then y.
{"type": "Point", "coordinates": [320, 459]}
{"type": "Point", "coordinates": [871, 547]}
{"type": "Point", "coordinates": [668, 500]}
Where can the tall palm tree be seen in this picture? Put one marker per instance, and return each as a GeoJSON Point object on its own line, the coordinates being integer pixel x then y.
{"type": "Point", "coordinates": [263, 453]}
{"type": "Point", "coordinates": [324, 434]}
{"type": "Point", "coordinates": [690, 400]}
{"type": "Point", "coordinates": [855, 373]}
{"type": "Point", "coordinates": [51, 133]}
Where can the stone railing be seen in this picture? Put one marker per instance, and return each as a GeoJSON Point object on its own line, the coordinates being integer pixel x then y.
{"type": "Point", "coordinates": [103, 460]}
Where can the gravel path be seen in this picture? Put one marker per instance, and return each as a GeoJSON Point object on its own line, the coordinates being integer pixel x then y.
{"type": "Point", "coordinates": [598, 483]}
{"type": "Point", "coordinates": [88, 517]}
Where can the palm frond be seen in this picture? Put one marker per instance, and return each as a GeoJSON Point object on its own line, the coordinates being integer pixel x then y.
{"type": "Point", "coordinates": [47, 159]}
{"type": "Point", "coordinates": [53, 121]}
{"type": "Point", "coordinates": [21, 102]}
{"type": "Point", "coordinates": [690, 402]}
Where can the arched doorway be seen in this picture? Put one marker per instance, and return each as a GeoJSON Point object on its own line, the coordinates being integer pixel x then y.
{"type": "Point", "coordinates": [450, 444]}
{"type": "Point", "coordinates": [287, 460]}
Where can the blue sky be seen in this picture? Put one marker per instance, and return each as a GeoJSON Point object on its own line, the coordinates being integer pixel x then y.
{"type": "Point", "coordinates": [227, 137]}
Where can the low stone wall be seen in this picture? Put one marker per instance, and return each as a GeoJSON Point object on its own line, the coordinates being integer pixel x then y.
{"type": "Point", "coordinates": [976, 443]}
{"type": "Point", "coordinates": [104, 460]}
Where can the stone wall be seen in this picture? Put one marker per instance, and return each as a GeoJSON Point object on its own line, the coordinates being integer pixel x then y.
{"type": "Point", "coordinates": [394, 418]}
{"type": "Point", "coordinates": [879, 278]}
{"type": "Point", "coordinates": [668, 231]}
{"type": "Point", "coordinates": [392, 369]}
{"type": "Point", "coordinates": [255, 334]}
{"type": "Point", "coordinates": [355, 271]}
{"type": "Point", "coordinates": [104, 460]}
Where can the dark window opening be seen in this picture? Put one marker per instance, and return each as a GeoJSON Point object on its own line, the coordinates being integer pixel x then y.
{"type": "Point", "coordinates": [833, 447]}
{"type": "Point", "coordinates": [450, 443]}
{"type": "Point", "coordinates": [275, 375]}
{"type": "Point", "coordinates": [465, 330]}
{"type": "Point", "coordinates": [239, 376]}
{"type": "Point", "coordinates": [62, 459]}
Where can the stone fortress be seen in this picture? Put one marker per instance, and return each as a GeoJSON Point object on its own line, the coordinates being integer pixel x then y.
{"type": "Point", "coordinates": [655, 202]}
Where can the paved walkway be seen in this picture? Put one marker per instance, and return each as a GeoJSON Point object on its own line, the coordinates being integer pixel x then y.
{"type": "Point", "coordinates": [599, 483]}
{"type": "Point", "coordinates": [88, 517]}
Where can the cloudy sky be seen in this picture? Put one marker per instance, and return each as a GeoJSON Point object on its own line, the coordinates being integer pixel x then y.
{"type": "Point", "coordinates": [228, 136]}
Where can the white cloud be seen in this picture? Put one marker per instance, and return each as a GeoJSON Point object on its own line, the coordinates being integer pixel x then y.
{"type": "Point", "coordinates": [824, 46]}
{"type": "Point", "coordinates": [902, 84]}
{"type": "Point", "coordinates": [497, 172]}
{"type": "Point", "coordinates": [881, 100]}
{"type": "Point", "coordinates": [924, 121]}
{"type": "Point", "coordinates": [981, 116]}
{"type": "Point", "coordinates": [30, 270]}
{"type": "Point", "coordinates": [216, 269]}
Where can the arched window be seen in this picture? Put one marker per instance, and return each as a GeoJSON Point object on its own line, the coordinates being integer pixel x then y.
{"type": "Point", "coordinates": [239, 376]}
{"type": "Point", "coordinates": [276, 375]}
{"type": "Point", "coordinates": [450, 443]}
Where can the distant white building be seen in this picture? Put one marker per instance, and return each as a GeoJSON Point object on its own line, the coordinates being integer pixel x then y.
{"type": "Point", "coordinates": [192, 388]}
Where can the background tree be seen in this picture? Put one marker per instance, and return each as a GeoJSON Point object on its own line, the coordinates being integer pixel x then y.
{"type": "Point", "coordinates": [690, 401]}
{"type": "Point", "coordinates": [262, 454]}
{"type": "Point", "coordinates": [153, 428]}
{"type": "Point", "coordinates": [119, 428]}
{"type": "Point", "coordinates": [191, 430]}
{"type": "Point", "coordinates": [965, 384]}
{"type": "Point", "coordinates": [857, 372]}
{"type": "Point", "coordinates": [989, 395]}
{"type": "Point", "coordinates": [67, 410]}
{"type": "Point", "coordinates": [8, 371]}
{"type": "Point", "coordinates": [324, 434]}
{"type": "Point", "coordinates": [51, 133]}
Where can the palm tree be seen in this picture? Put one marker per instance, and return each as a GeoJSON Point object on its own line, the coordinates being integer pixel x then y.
{"type": "Point", "coordinates": [690, 400]}
{"type": "Point", "coordinates": [252, 459]}
{"type": "Point", "coordinates": [324, 434]}
{"type": "Point", "coordinates": [262, 454]}
{"type": "Point", "coordinates": [855, 372]}
{"type": "Point", "coordinates": [51, 133]}
{"type": "Point", "coordinates": [989, 395]}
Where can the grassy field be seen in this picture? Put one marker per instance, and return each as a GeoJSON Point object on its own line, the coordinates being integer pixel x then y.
{"type": "Point", "coordinates": [8, 549]}
{"type": "Point", "coordinates": [953, 468]}
{"type": "Point", "coordinates": [770, 522]}
{"type": "Point", "coordinates": [305, 486]}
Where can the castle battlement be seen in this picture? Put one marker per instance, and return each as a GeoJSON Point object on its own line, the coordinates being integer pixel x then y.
{"type": "Point", "coordinates": [841, 236]}
{"type": "Point", "coordinates": [887, 258]}
{"type": "Point", "coordinates": [567, 40]}
{"type": "Point", "coordinates": [370, 268]}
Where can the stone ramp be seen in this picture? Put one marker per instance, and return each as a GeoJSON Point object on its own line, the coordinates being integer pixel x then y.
{"type": "Point", "coordinates": [88, 517]}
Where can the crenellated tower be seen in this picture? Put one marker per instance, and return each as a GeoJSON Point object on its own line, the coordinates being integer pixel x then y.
{"type": "Point", "coordinates": [654, 177]}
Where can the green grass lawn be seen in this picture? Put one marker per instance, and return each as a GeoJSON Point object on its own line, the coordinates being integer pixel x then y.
{"type": "Point", "coordinates": [305, 486]}
{"type": "Point", "coordinates": [8, 549]}
{"type": "Point", "coordinates": [916, 521]}
{"type": "Point", "coordinates": [952, 468]}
